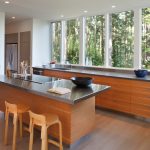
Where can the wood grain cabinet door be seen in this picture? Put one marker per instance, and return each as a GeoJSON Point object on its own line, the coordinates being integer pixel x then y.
{"type": "Point", "coordinates": [141, 98]}
{"type": "Point", "coordinates": [118, 97]}
{"type": "Point", "coordinates": [25, 50]}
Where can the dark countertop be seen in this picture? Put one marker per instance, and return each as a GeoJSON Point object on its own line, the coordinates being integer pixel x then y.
{"type": "Point", "coordinates": [40, 84]}
{"type": "Point", "coordinates": [98, 72]}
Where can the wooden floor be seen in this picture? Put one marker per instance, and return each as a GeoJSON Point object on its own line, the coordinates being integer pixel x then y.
{"type": "Point", "coordinates": [113, 131]}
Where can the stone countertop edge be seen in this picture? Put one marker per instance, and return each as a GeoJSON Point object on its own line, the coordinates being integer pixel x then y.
{"type": "Point", "coordinates": [52, 95]}
{"type": "Point", "coordinates": [102, 73]}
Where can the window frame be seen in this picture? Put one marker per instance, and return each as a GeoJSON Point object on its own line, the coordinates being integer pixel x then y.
{"type": "Point", "coordinates": [137, 64]}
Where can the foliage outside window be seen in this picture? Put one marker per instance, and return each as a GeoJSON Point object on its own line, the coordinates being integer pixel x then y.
{"type": "Point", "coordinates": [146, 38]}
{"type": "Point", "coordinates": [56, 41]}
{"type": "Point", "coordinates": [122, 39]}
{"type": "Point", "coordinates": [72, 41]}
{"type": "Point", "coordinates": [95, 40]}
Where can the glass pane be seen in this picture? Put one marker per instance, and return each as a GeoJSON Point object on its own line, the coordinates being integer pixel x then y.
{"type": "Point", "coordinates": [146, 38]}
{"type": "Point", "coordinates": [95, 41]}
{"type": "Point", "coordinates": [56, 41]}
{"type": "Point", "coordinates": [122, 39]}
{"type": "Point", "coordinates": [72, 41]}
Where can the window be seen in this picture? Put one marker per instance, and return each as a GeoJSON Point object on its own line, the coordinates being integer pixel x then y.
{"type": "Point", "coordinates": [119, 51]}
{"type": "Point", "coordinates": [56, 41]}
{"type": "Point", "coordinates": [95, 41]}
{"type": "Point", "coordinates": [72, 41]}
{"type": "Point", "coordinates": [122, 39]}
{"type": "Point", "coordinates": [146, 38]}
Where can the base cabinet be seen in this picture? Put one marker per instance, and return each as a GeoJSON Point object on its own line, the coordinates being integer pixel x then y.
{"type": "Point", "coordinates": [129, 96]}
{"type": "Point", "coordinates": [141, 98]}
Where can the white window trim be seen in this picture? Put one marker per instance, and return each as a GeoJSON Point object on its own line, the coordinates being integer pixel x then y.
{"type": "Point", "coordinates": [63, 42]}
{"type": "Point", "coordinates": [108, 46]}
{"type": "Point", "coordinates": [51, 41]}
{"type": "Point", "coordinates": [137, 38]}
{"type": "Point", "coordinates": [82, 39]}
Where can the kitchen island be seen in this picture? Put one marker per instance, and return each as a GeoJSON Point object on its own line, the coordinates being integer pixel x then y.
{"type": "Point", "coordinates": [76, 109]}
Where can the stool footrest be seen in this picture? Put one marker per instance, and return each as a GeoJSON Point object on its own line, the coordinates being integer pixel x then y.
{"type": "Point", "coordinates": [53, 142]}
{"type": "Point", "coordinates": [26, 129]}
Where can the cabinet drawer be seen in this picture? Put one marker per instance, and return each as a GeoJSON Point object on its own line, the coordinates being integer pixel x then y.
{"type": "Point", "coordinates": [140, 84]}
{"type": "Point", "coordinates": [118, 98]}
{"type": "Point", "coordinates": [141, 110]}
{"type": "Point", "coordinates": [141, 100]}
{"type": "Point", "coordinates": [115, 105]}
{"type": "Point", "coordinates": [141, 91]}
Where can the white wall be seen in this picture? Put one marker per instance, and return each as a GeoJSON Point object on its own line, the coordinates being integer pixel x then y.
{"type": "Point", "coordinates": [40, 38]}
{"type": "Point", "coordinates": [40, 42]}
{"type": "Point", "coordinates": [2, 40]}
{"type": "Point", "coordinates": [19, 26]}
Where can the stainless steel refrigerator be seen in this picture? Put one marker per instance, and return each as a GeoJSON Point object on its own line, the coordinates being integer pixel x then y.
{"type": "Point", "coordinates": [11, 56]}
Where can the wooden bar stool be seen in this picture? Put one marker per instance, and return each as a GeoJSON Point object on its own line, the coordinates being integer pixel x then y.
{"type": "Point", "coordinates": [17, 111]}
{"type": "Point", "coordinates": [45, 121]}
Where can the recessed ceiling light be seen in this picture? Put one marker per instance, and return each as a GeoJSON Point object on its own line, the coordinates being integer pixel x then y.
{"type": "Point", "coordinates": [85, 11]}
{"type": "Point", "coordinates": [7, 2]}
{"type": "Point", "coordinates": [113, 6]}
{"type": "Point", "coordinates": [61, 16]}
{"type": "Point", "coordinates": [13, 17]}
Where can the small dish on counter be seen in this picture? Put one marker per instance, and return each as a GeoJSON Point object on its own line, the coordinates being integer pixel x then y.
{"type": "Point", "coordinates": [141, 73]}
{"type": "Point", "coordinates": [82, 81]}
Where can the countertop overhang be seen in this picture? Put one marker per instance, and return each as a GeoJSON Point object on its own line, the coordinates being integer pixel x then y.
{"type": "Point", "coordinates": [39, 85]}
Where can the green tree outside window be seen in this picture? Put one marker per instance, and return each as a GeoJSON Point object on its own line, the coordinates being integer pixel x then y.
{"type": "Point", "coordinates": [146, 38]}
{"type": "Point", "coordinates": [122, 39]}
{"type": "Point", "coordinates": [72, 41]}
{"type": "Point", "coordinates": [95, 40]}
{"type": "Point", "coordinates": [56, 41]}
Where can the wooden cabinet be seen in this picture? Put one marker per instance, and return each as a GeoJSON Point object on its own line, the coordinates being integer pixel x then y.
{"type": "Point", "coordinates": [25, 50]}
{"type": "Point", "coordinates": [125, 95]}
{"type": "Point", "coordinates": [118, 97]}
{"type": "Point", "coordinates": [140, 98]}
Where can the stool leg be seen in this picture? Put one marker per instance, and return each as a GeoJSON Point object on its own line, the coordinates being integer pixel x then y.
{"type": "Point", "coordinates": [6, 127]}
{"type": "Point", "coordinates": [46, 140]}
{"type": "Point", "coordinates": [60, 136]}
{"type": "Point", "coordinates": [44, 145]}
{"type": "Point", "coordinates": [15, 119]}
{"type": "Point", "coordinates": [31, 135]}
{"type": "Point", "coordinates": [20, 122]}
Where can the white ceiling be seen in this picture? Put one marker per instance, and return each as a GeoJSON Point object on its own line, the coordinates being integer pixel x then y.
{"type": "Point", "coordinates": [53, 9]}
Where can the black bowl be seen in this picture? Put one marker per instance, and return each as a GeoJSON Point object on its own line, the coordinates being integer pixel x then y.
{"type": "Point", "coordinates": [82, 81]}
{"type": "Point", "coordinates": [140, 73]}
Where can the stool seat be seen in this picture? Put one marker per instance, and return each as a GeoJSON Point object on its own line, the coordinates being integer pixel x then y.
{"type": "Point", "coordinates": [17, 110]}
{"type": "Point", "coordinates": [22, 108]}
{"type": "Point", "coordinates": [51, 118]}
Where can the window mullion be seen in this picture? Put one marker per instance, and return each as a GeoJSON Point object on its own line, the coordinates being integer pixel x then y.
{"type": "Point", "coordinates": [82, 41]}
{"type": "Point", "coordinates": [51, 41]}
{"type": "Point", "coordinates": [137, 38]}
{"type": "Point", "coordinates": [108, 46]}
{"type": "Point", "coordinates": [63, 42]}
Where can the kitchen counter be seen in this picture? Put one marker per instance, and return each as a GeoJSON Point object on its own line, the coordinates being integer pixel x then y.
{"type": "Point", "coordinates": [76, 110]}
{"type": "Point", "coordinates": [128, 93]}
{"type": "Point", "coordinates": [40, 84]}
{"type": "Point", "coordinates": [98, 72]}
